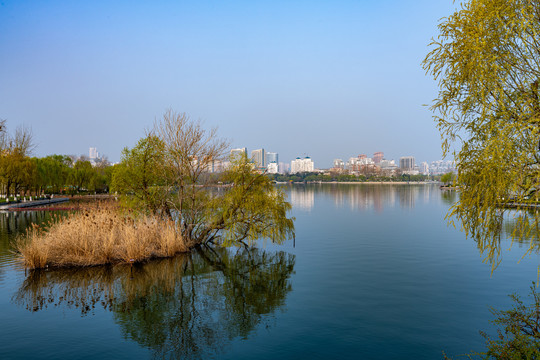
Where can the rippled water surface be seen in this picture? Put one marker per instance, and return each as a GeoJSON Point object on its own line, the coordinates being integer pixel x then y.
{"type": "Point", "coordinates": [374, 273]}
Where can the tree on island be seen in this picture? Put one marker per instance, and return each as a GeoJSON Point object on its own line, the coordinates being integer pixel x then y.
{"type": "Point", "coordinates": [169, 174]}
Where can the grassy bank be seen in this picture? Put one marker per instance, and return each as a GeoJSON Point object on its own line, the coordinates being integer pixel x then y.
{"type": "Point", "coordinates": [98, 236]}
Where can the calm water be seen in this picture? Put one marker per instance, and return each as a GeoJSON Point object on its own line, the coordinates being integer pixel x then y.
{"type": "Point", "coordinates": [374, 273]}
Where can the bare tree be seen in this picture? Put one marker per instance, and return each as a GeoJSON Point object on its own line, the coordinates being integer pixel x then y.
{"type": "Point", "coordinates": [103, 162]}
{"type": "Point", "coordinates": [73, 159]}
{"type": "Point", "coordinates": [169, 174]}
{"type": "Point", "coordinates": [189, 154]}
{"type": "Point", "coordinates": [22, 141]}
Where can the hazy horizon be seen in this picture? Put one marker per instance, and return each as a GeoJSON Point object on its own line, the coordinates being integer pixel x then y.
{"type": "Point", "coordinates": [323, 79]}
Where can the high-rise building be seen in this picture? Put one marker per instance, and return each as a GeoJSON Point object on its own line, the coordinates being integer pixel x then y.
{"type": "Point", "coordinates": [283, 168]}
{"type": "Point", "coordinates": [424, 168]}
{"type": "Point", "coordinates": [388, 164]}
{"type": "Point", "coordinates": [378, 157]}
{"type": "Point", "coordinates": [406, 163]}
{"type": "Point", "coordinates": [339, 164]}
{"type": "Point", "coordinates": [238, 152]}
{"type": "Point", "coordinates": [357, 163]}
{"type": "Point", "coordinates": [93, 153]}
{"type": "Point", "coordinates": [272, 168]}
{"type": "Point", "coordinates": [272, 157]}
{"type": "Point", "coordinates": [441, 167]}
{"type": "Point", "coordinates": [302, 165]}
{"type": "Point", "coordinates": [258, 158]}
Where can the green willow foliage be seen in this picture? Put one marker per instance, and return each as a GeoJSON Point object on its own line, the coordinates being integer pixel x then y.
{"type": "Point", "coordinates": [251, 208]}
{"type": "Point", "coordinates": [170, 174]}
{"type": "Point", "coordinates": [138, 175]}
{"type": "Point", "coordinates": [487, 63]}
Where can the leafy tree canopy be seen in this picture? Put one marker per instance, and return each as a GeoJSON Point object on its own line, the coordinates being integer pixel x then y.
{"type": "Point", "coordinates": [487, 63]}
{"type": "Point", "coordinates": [173, 173]}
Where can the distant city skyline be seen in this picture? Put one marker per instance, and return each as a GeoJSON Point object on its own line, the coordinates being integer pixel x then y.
{"type": "Point", "coordinates": [269, 161]}
{"type": "Point", "coordinates": [319, 79]}
{"type": "Point", "coordinates": [263, 159]}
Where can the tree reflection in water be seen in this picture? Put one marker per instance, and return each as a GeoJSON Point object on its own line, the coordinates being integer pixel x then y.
{"type": "Point", "coordinates": [11, 225]}
{"type": "Point", "coordinates": [189, 306]}
{"type": "Point", "coordinates": [516, 225]}
{"type": "Point", "coordinates": [449, 197]}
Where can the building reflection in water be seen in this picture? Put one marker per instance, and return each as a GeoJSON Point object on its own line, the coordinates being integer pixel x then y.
{"type": "Point", "coordinates": [189, 306]}
{"type": "Point", "coordinates": [362, 197]}
{"type": "Point", "coordinates": [302, 197]}
{"type": "Point", "coordinates": [407, 196]}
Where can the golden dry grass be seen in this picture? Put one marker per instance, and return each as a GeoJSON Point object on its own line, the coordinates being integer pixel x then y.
{"type": "Point", "coordinates": [99, 236]}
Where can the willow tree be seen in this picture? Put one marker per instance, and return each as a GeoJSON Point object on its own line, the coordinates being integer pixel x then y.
{"type": "Point", "coordinates": [17, 171]}
{"type": "Point", "coordinates": [139, 175]}
{"type": "Point", "coordinates": [486, 59]}
{"type": "Point", "coordinates": [181, 166]}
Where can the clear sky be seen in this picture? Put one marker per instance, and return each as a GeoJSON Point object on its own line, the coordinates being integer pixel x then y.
{"type": "Point", "coordinates": [328, 79]}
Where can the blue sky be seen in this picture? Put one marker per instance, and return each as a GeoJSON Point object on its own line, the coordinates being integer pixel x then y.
{"type": "Point", "coordinates": [328, 79]}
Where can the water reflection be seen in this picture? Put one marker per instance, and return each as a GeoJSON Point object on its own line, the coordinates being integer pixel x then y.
{"type": "Point", "coordinates": [449, 197]}
{"type": "Point", "coordinates": [518, 225]}
{"type": "Point", "coordinates": [189, 306]}
{"type": "Point", "coordinates": [362, 196]}
{"type": "Point", "coordinates": [302, 197]}
{"type": "Point", "coordinates": [12, 224]}
{"type": "Point", "coordinates": [16, 222]}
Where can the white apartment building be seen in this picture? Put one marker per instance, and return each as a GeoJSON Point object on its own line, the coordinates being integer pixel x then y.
{"type": "Point", "coordinates": [388, 164]}
{"type": "Point", "coordinates": [442, 166]}
{"type": "Point", "coordinates": [424, 168]}
{"type": "Point", "coordinates": [339, 164]}
{"type": "Point", "coordinates": [355, 163]}
{"type": "Point", "coordinates": [272, 168]}
{"type": "Point", "coordinates": [93, 153]}
{"type": "Point", "coordinates": [302, 165]}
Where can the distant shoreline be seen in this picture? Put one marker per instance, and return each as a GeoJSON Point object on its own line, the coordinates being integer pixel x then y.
{"type": "Point", "coordinates": [384, 182]}
{"type": "Point", "coordinates": [365, 182]}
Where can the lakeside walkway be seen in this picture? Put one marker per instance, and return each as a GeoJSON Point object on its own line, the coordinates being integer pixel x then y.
{"type": "Point", "coordinates": [32, 204]}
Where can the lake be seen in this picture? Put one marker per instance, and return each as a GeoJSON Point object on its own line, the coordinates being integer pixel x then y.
{"type": "Point", "coordinates": [375, 272]}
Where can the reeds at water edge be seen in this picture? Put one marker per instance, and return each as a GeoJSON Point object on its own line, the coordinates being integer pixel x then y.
{"type": "Point", "coordinates": [99, 236]}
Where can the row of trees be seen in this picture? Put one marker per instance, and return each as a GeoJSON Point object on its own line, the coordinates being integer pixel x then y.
{"type": "Point", "coordinates": [54, 174]}
{"type": "Point", "coordinates": [21, 174]}
{"type": "Point", "coordinates": [59, 173]}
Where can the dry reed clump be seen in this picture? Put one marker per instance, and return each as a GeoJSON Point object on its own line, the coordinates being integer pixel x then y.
{"type": "Point", "coordinates": [97, 237]}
